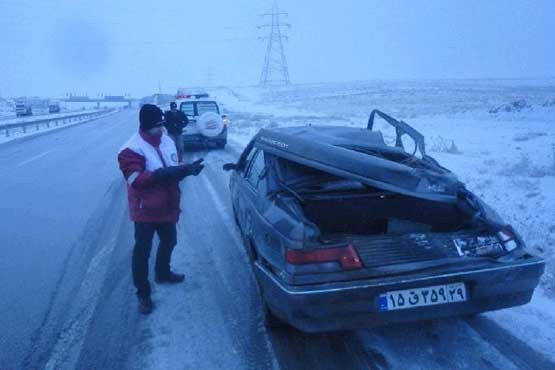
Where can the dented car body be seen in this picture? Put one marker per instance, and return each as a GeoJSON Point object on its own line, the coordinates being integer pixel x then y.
{"type": "Point", "coordinates": [344, 231]}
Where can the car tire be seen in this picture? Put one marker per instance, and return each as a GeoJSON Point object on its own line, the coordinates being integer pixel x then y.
{"type": "Point", "coordinates": [236, 219]}
{"type": "Point", "coordinates": [251, 252]}
{"type": "Point", "coordinates": [269, 319]}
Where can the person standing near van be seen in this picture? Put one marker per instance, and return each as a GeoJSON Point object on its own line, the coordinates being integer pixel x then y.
{"type": "Point", "coordinates": [176, 121]}
{"type": "Point", "coordinates": [148, 162]}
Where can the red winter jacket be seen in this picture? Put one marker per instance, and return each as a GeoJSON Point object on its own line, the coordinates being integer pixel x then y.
{"type": "Point", "coordinates": [149, 200]}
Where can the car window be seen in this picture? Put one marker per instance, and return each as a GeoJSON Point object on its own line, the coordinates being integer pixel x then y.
{"type": "Point", "coordinates": [207, 106]}
{"type": "Point", "coordinates": [188, 109]}
{"type": "Point", "coordinates": [256, 168]}
{"type": "Point", "coordinates": [247, 160]}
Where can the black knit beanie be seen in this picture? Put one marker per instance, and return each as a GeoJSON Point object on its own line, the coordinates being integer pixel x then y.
{"type": "Point", "coordinates": [150, 116]}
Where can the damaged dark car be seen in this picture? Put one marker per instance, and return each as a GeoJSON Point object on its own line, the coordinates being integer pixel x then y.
{"type": "Point", "coordinates": [345, 231]}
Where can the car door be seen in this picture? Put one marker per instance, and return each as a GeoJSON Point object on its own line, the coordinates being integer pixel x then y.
{"type": "Point", "coordinates": [248, 191]}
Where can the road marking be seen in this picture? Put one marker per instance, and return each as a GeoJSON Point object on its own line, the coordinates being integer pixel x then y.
{"type": "Point", "coordinates": [80, 314]}
{"type": "Point", "coordinates": [223, 211]}
{"type": "Point", "coordinates": [32, 159]}
{"type": "Point", "coordinates": [72, 337]}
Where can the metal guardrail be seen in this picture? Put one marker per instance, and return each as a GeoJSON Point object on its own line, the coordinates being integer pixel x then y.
{"type": "Point", "coordinates": [50, 122]}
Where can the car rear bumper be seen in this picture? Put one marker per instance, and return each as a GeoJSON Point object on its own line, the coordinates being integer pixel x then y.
{"type": "Point", "coordinates": [340, 306]}
{"type": "Point", "coordinates": [200, 139]}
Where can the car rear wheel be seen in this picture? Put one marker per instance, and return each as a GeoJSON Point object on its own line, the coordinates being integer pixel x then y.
{"type": "Point", "coordinates": [268, 318]}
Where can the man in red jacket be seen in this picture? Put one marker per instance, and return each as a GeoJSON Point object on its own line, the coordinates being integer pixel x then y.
{"type": "Point", "coordinates": [149, 163]}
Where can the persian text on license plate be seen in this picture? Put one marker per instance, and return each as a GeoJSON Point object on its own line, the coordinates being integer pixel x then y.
{"type": "Point", "coordinates": [418, 297]}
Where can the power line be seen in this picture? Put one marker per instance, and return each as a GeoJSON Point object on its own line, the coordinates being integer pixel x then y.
{"type": "Point", "coordinates": [275, 70]}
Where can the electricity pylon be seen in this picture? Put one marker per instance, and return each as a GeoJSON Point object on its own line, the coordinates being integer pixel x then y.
{"type": "Point", "coordinates": [275, 70]}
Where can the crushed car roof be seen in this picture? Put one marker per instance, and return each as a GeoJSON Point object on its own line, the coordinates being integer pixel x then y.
{"type": "Point", "coordinates": [331, 149]}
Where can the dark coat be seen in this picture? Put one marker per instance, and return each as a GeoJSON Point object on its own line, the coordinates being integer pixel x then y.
{"type": "Point", "coordinates": [175, 122]}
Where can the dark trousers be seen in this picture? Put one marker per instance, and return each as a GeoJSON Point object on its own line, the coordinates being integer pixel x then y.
{"type": "Point", "coordinates": [179, 145]}
{"type": "Point", "coordinates": [144, 232]}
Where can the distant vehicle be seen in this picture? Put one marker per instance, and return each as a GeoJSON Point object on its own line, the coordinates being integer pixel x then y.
{"type": "Point", "coordinates": [23, 108]}
{"type": "Point", "coordinates": [344, 231]}
{"type": "Point", "coordinates": [207, 126]}
{"type": "Point", "coordinates": [53, 107]}
{"type": "Point", "coordinates": [187, 94]}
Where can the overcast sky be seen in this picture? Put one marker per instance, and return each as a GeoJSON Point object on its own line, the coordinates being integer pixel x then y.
{"type": "Point", "coordinates": [53, 47]}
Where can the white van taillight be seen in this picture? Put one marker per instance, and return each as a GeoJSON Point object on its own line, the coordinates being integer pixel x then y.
{"type": "Point", "coordinates": [347, 257]}
{"type": "Point", "coordinates": [508, 239]}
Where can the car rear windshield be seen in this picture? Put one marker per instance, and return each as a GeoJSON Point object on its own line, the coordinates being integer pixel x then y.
{"type": "Point", "coordinates": [188, 108]}
{"type": "Point", "coordinates": [197, 108]}
{"type": "Point", "coordinates": [207, 106]}
{"type": "Point", "coordinates": [307, 179]}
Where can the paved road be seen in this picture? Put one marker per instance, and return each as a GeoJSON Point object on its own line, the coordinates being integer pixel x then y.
{"type": "Point", "coordinates": [66, 295]}
{"type": "Point", "coordinates": [53, 198]}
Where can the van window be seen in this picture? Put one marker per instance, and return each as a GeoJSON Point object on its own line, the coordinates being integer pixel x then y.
{"type": "Point", "coordinates": [207, 106]}
{"type": "Point", "coordinates": [188, 109]}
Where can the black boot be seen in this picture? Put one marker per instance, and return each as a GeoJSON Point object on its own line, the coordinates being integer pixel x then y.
{"type": "Point", "coordinates": [170, 278]}
{"type": "Point", "coordinates": [145, 305]}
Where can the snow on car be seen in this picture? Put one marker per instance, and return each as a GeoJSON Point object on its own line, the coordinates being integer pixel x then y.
{"type": "Point", "coordinates": [207, 125]}
{"type": "Point", "coordinates": [344, 231]}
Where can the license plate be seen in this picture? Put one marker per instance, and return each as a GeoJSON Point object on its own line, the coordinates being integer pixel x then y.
{"type": "Point", "coordinates": [418, 297]}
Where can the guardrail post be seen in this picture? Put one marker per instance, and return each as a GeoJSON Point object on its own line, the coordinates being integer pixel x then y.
{"type": "Point", "coordinates": [7, 132]}
{"type": "Point", "coordinates": [24, 130]}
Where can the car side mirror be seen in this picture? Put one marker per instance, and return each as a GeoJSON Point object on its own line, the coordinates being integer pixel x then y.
{"type": "Point", "coordinates": [230, 166]}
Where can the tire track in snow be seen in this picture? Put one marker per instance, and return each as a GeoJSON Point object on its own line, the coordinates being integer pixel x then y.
{"type": "Point", "coordinates": [256, 344]}
{"type": "Point", "coordinates": [57, 343]}
{"type": "Point", "coordinates": [520, 353]}
{"type": "Point", "coordinates": [292, 349]}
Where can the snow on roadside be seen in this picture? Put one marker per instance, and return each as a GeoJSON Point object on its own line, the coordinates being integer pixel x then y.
{"type": "Point", "coordinates": [12, 119]}
{"type": "Point", "coordinates": [534, 323]}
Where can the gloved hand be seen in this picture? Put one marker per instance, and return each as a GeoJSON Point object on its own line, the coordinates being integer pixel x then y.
{"type": "Point", "coordinates": [168, 173]}
{"type": "Point", "coordinates": [192, 169]}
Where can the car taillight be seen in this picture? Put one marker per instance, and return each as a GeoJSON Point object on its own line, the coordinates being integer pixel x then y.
{"type": "Point", "coordinates": [347, 257]}
{"type": "Point", "coordinates": [225, 120]}
{"type": "Point", "coordinates": [508, 238]}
